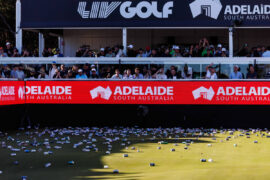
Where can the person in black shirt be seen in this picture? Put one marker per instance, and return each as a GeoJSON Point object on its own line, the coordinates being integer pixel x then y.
{"type": "Point", "coordinates": [251, 73]}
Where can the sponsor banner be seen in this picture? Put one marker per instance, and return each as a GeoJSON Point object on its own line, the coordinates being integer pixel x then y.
{"type": "Point", "coordinates": [144, 13]}
{"type": "Point", "coordinates": [148, 92]}
{"type": "Point", "coordinates": [12, 92]}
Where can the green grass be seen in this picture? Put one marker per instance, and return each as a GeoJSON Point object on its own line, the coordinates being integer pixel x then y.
{"type": "Point", "coordinates": [247, 161]}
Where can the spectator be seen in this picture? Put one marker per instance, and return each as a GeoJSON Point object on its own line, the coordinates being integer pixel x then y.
{"type": "Point", "coordinates": [265, 54]}
{"type": "Point", "coordinates": [57, 74]}
{"type": "Point", "coordinates": [137, 74]}
{"type": "Point", "coordinates": [173, 74]}
{"type": "Point", "coordinates": [58, 53]}
{"type": "Point", "coordinates": [20, 73]}
{"type": "Point", "coordinates": [119, 50]}
{"type": "Point", "coordinates": [94, 74]}
{"type": "Point", "coordinates": [154, 53]}
{"type": "Point", "coordinates": [9, 49]}
{"type": "Point", "coordinates": [70, 74]}
{"type": "Point", "coordinates": [187, 72]}
{"type": "Point", "coordinates": [101, 53]}
{"type": "Point", "coordinates": [211, 72]}
{"type": "Point", "coordinates": [32, 74]}
{"type": "Point", "coordinates": [15, 53]}
{"type": "Point", "coordinates": [6, 71]}
{"type": "Point", "coordinates": [166, 53]}
{"type": "Point", "coordinates": [160, 74]}
{"type": "Point", "coordinates": [218, 52]}
{"type": "Point", "coordinates": [75, 69]}
{"type": "Point", "coordinates": [236, 74]}
{"type": "Point", "coordinates": [130, 51]}
{"type": "Point", "coordinates": [53, 70]}
{"type": "Point", "coordinates": [176, 52]}
{"type": "Point", "coordinates": [140, 53]}
{"type": "Point", "coordinates": [110, 53]}
{"type": "Point", "coordinates": [224, 52]}
{"type": "Point", "coordinates": [117, 75]}
{"type": "Point", "coordinates": [147, 51]}
{"type": "Point", "coordinates": [251, 73]}
{"type": "Point", "coordinates": [43, 74]}
{"type": "Point", "coordinates": [26, 53]}
{"type": "Point", "coordinates": [208, 53]}
{"type": "Point", "coordinates": [86, 70]}
{"type": "Point", "coordinates": [148, 75]}
{"type": "Point", "coordinates": [13, 73]}
{"type": "Point", "coordinates": [63, 71]}
{"type": "Point", "coordinates": [2, 53]}
{"type": "Point", "coordinates": [244, 51]}
{"type": "Point", "coordinates": [81, 75]}
{"type": "Point", "coordinates": [127, 75]}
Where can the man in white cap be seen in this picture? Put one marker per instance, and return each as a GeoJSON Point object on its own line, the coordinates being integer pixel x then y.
{"type": "Point", "coordinates": [94, 74]}
{"type": "Point", "coordinates": [9, 49]}
{"type": "Point", "coordinates": [101, 53]}
{"type": "Point", "coordinates": [176, 51]}
{"type": "Point", "coordinates": [130, 51]}
{"type": "Point", "coordinates": [81, 75]}
{"type": "Point", "coordinates": [236, 74]}
{"type": "Point", "coordinates": [224, 52]}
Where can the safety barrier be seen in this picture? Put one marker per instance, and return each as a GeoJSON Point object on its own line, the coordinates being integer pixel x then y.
{"type": "Point", "coordinates": [136, 92]}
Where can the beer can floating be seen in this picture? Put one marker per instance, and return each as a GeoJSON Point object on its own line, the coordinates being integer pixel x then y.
{"type": "Point", "coordinates": [116, 171]}
{"type": "Point", "coordinates": [48, 165]}
{"type": "Point", "coordinates": [152, 164]}
{"type": "Point", "coordinates": [125, 155]}
{"type": "Point", "coordinates": [203, 160]}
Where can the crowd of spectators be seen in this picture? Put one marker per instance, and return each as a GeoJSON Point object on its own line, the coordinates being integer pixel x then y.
{"type": "Point", "coordinates": [87, 71]}
{"type": "Point", "coordinates": [201, 49]}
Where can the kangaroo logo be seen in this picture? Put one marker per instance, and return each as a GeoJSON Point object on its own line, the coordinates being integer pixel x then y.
{"type": "Point", "coordinates": [210, 8]}
{"type": "Point", "coordinates": [203, 92]}
{"type": "Point", "coordinates": [101, 92]}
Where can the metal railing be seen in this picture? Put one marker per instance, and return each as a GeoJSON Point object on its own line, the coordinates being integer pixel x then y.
{"type": "Point", "coordinates": [181, 60]}
{"type": "Point", "coordinates": [224, 65]}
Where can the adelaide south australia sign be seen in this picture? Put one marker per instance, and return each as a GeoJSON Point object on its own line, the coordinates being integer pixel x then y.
{"type": "Point", "coordinates": [144, 13]}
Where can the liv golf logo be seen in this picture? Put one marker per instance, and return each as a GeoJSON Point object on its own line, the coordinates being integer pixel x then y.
{"type": "Point", "coordinates": [210, 8]}
{"type": "Point", "coordinates": [128, 9]}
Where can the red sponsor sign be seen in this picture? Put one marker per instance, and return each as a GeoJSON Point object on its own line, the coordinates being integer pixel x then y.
{"type": "Point", "coordinates": [148, 92]}
{"type": "Point", "coordinates": [12, 92]}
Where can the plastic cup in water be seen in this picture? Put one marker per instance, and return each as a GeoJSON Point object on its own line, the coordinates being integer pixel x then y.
{"type": "Point", "coordinates": [48, 165]}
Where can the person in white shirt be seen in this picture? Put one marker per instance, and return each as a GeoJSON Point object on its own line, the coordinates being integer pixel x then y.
{"type": "Point", "coordinates": [117, 75]}
{"type": "Point", "coordinates": [160, 74]}
{"type": "Point", "coordinates": [20, 73]}
{"type": "Point", "coordinates": [127, 74]}
{"type": "Point", "coordinates": [211, 72]}
{"type": "Point", "coordinates": [187, 72]}
{"type": "Point", "coordinates": [52, 70]}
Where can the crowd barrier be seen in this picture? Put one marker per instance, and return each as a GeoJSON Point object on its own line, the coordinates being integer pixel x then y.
{"type": "Point", "coordinates": [136, 92]}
